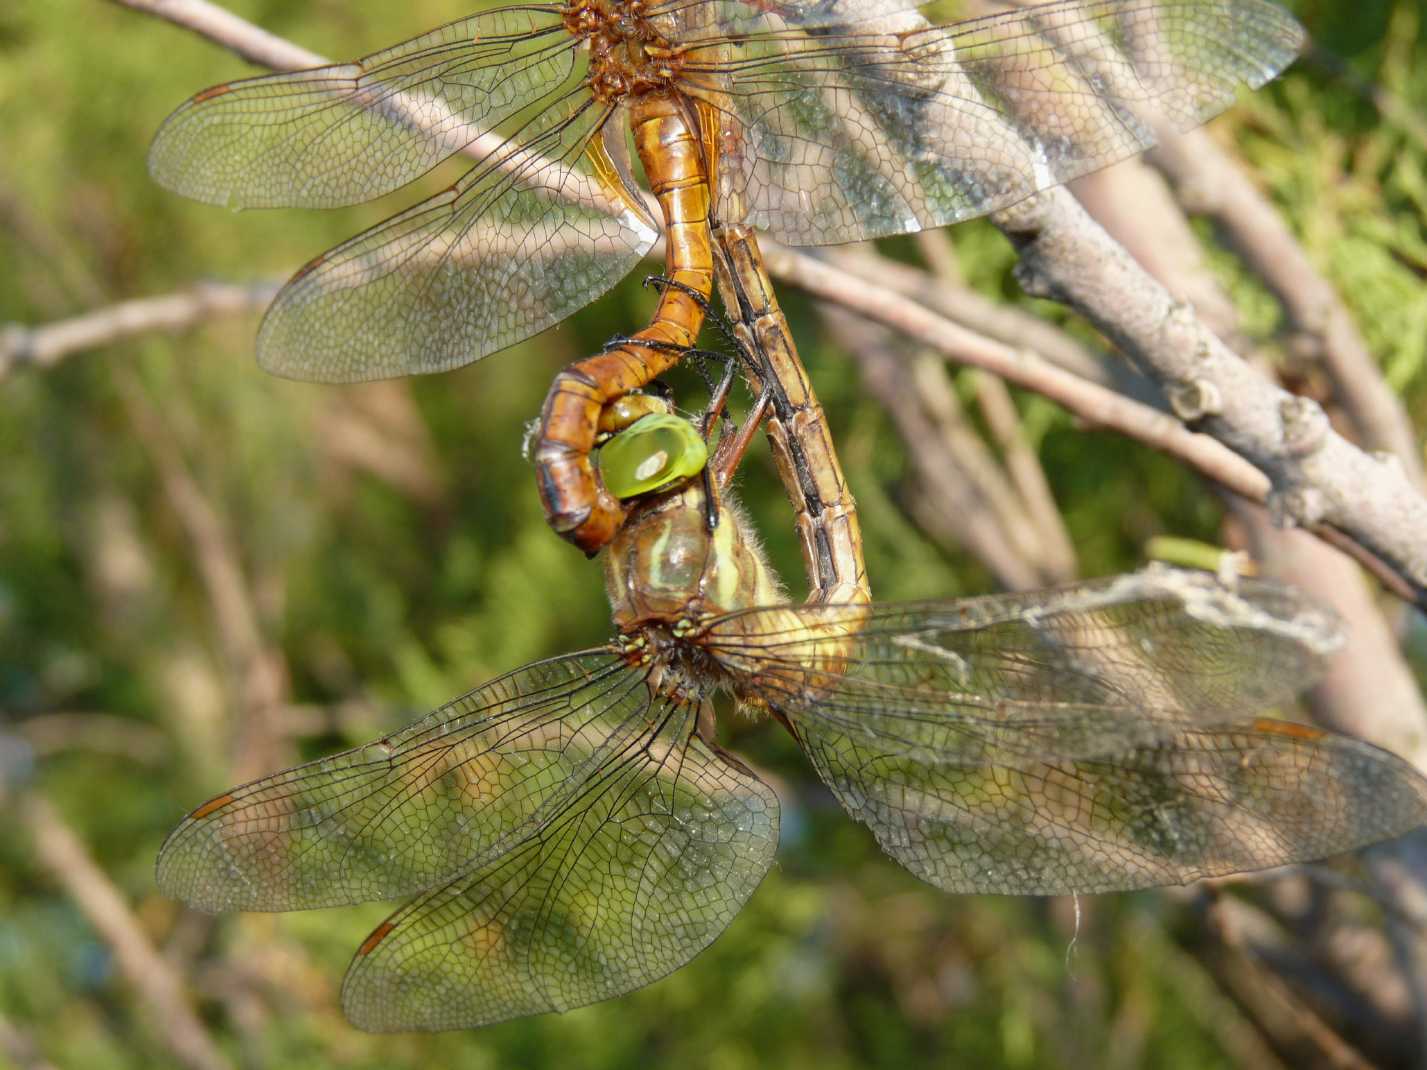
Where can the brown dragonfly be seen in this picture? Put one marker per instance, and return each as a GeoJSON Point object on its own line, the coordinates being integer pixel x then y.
{"type": "Point", "coordinates": [573, 830]}
{"type": "Point", "coordinates": [819, 121]}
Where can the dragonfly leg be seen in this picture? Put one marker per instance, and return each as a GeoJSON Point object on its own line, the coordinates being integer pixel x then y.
{"type": "Point", "coordinates": [718, 402]}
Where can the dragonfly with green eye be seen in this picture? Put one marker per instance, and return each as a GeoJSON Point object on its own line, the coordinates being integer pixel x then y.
{"type": "Point", "coordinates": [816, 121]}
{"type": "Point", "coordinates": [573, 830]}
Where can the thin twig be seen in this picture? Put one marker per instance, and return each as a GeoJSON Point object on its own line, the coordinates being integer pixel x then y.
{"type": "Point", "coordinates": [1057, 552]}
{"type": "Point", "coordinates": [1093, 403]}
{"type": "Point", "coordinates": [375, 428]}
{"type": "Point", "coordinates": [1240, 939]}
{"type": "Point", "coordinates": [45, 346]}
{"type": "Point", "coordinates": [962, 495]}
{"type": "Point", "coordinates": [1004, 323]}
{"type": "Point", "coordinates": [249, 42]}
{"type": "Point", "coordinates": [103, 733]}
{"type": "Point", "coordinates": [258, 668]}
{"type": "Point", "coordinates": [1041, 520]}
{"type": "Point", "coordinates": [62, 853]}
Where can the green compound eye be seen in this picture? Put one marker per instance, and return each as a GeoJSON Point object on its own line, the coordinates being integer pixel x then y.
{"type": "Point", "coordinates": [651, 453]}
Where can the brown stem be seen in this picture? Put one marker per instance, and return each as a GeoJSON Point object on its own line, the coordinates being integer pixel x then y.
{"type": "Point", "coordinates": [1210, 182]}
{"type": "Point", "coordinates": [62, 853]}
{"type": "Point", "coordinates": [1317, 475]}
{"type": "Point", "coordinates": [258, 668]}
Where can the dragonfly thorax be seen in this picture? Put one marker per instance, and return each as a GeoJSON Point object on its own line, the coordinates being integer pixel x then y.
{"type": "Point", "coordinates": [666, 568]}
{"type": "Point", "coordinates": [629, 56]}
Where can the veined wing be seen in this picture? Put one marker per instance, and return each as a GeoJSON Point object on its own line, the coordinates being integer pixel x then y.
{"type": "Point", "coordinates": [1202, 802]}
{"type": "Point", "coordinates": [1075, 743]}
{"type": "Point", "coordinates": [533, 233]}
{"type": "Point", "coordinates": [856, 132]}
{"type": "Point", "coordinates": [353, 131]}
{"type": "Point", "coordinates": [678, 19]}
{"type": "Point", "coordinates": [453, 790]}
{"type": "Point", "coordinates": [641, 869]}
{"type": "Point", "coordinates": [1012, 679]}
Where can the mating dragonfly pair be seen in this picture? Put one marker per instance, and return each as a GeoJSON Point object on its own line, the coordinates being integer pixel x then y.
{"type": "Point", "coordinates": [572, 830]}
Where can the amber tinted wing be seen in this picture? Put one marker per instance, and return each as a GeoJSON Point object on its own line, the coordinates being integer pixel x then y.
{"type": "Point", "coordinates": [1077, 671]}
{"type": "Point", "coordinates": [531, 234]}
{"type": "Point", "coordinates": [353, 131]}
{"type": "Point", "coordinates": [858, 131]}
{"type": "Point", "coordinates": [413, 810]}
{"type": "Point", "coordinates": [642, 868]}
{"type": "Point", "coordinates": [1005, 745]}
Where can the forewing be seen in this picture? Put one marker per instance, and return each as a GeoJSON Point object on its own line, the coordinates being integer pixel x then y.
{"type": "Point", "coordinates": [678, 18]}
{"type": "Point", "coordinates": [894, 126]}
{"type": "Point", "coordinates": [1022, 678]}
{"type": "Point", "coordinates": [641, 870]}
{"type": "Point", "coordinates": [417, 808]}
{"type": "Point", "coordinates": [538, 229]}
{"type": "Point", "coordinates": [353, 131]}
{"type": "Point", "coordinates": [1075, 740]}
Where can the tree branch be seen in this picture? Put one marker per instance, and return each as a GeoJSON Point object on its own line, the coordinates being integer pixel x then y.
{"type": "Point", "coordinates": [1208, 181]}
{"type": "Point", "coordinates": [259, 669]}
{"type": "Point", "coordinates": [1093, 403]}
{"type": "Point", "coordinates": [1317, 475]}
{"type": "Point", "coordinates": [61, 852]}
{"type": "Point", "coordinates": [45, 346]}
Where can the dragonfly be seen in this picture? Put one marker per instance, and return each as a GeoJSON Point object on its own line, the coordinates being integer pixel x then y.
{"type": "Point", "coordinates": [815, 121]}
{"type": "Point", "coordinates": [574, 830]}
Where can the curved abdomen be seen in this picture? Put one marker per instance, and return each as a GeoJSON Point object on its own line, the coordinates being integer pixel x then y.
{"type": "Point", "coordinates": [576, 502]}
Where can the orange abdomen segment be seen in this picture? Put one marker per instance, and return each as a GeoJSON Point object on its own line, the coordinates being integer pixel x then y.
{"type": "Point", "coordinates": [577, 505]}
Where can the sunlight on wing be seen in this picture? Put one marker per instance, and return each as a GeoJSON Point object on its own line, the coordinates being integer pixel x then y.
{"type": "Point", "coordinates": [1201, 803]}
{"type": "Point", "coordinates": [524, 240]}
{"type": "Point", "coordinates": [1077, 671]}
{"type": "Point", "coordinates": [857, 132]}
{"type": "Point", "coordinates": [353, 131]}
{"type": "Point", "coordinates": [639, 872]}
{"type": "Point", "coordinates": [416, 808]}
{"type": "Point", "coordinates": [1075, 740]}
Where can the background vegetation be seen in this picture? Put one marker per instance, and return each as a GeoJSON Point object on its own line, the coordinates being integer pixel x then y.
{"type": "Point", "coordinates": [184, 539]}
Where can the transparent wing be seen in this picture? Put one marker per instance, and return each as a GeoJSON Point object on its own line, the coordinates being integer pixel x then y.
{"type": "Point", "coordinates": [413, 810]}
{"type": "Point", "coordinates": [533, 233]}
{"type": "Point", "coordinates": [1012, 679]}
{"type": "Point", "coordinates": [678, 18]}
{"type": "Point", "coordinates": [1074, 741]}
{"type": "Point", "coordinates": [856, 132]}
{"type": "Point", "coordinates": [640, 871]}
{"type": "Point", "coordinates": [1200, 803]}
{"type": "Point", "coordinates": [353, 131]}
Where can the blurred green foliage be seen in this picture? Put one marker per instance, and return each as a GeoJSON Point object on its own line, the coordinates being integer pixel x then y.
{"type": "Point", "coordinates": [386, 599]}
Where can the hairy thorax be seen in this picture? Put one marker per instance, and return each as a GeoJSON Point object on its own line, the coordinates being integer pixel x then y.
{"type": "Point", "coordinates": [667, 573]}
{"type": "Point", "coordinates": [629, 55]}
